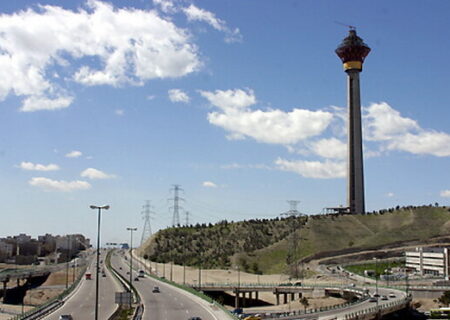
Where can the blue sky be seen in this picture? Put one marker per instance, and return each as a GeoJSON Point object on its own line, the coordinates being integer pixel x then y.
{"type": "Point", "coordinates": [242, 103]}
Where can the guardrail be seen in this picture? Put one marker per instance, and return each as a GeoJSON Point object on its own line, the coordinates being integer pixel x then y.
{"type": "Point", "coordinates": [187, 289]}
{"type": "Point", "coordinates": [52, 304]}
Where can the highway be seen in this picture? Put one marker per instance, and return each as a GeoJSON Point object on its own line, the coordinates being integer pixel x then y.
{"type": "Point", "coordinates": [81, 304]}
{"type": "Point", "coordinates": [170, 303]}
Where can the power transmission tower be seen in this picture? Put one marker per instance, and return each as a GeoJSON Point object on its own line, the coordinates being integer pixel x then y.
{"type": "Point", "coordinates": [187, 218]}
{"type": "Point", "coordinates": [146, 215]}
{"type": "Point", "coordinates": [293, 214]}
{"type": "Point", "coordinates": [176, 205]}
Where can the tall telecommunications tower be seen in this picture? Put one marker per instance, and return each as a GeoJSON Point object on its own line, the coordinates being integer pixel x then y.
{"type": "Point", "coordinates": [146, 215]}
{"type": "Point", "coordinates": [352, 52]}
{"type": "Point", "coordinates": [176, 205]}
{"type": "Point", "coordinates": [293, 214]}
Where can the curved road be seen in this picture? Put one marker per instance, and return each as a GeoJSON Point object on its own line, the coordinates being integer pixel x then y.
{"type": "Point", "coordinates": [81, 304]}
{"type": "Point", "coordinates": [169, 304]}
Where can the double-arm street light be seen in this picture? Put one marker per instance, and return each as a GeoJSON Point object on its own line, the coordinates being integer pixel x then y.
{"type": "Point", "coordinates": [131, 259]}
{"type": "Point", "coordinates": [99, 208]}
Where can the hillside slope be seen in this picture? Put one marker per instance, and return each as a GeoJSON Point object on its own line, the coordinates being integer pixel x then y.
{"type": "Point", "coordinates": [263, 245]}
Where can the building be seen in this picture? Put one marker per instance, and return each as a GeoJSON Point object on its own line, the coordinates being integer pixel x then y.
{"type": "Point", "coordinates": [429, 261]}
{"type": "Point", "coordinates": [352, 51]}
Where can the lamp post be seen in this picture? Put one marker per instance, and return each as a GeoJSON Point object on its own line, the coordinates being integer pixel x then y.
{"type": "Point", "coordinates": [99, 208]}
{"type": "Point", "coordinates": [184, 260]}
{"type": "Point", "coordinates": [131, 258]}
{"type": "Point", "coordinates": [68, 261]}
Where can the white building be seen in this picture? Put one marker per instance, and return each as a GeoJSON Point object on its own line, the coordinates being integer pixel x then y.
{"type": "Point", "coordinates": [434, 261]}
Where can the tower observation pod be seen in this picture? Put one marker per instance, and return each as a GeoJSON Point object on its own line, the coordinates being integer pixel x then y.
{"type": "Point", "coordinates": [352, 52]}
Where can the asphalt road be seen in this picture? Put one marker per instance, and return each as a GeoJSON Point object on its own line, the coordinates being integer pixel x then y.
{"type": "Point", "coordinates": [81, 305]}
{"type": "Point", "coordinates": [169, 304]}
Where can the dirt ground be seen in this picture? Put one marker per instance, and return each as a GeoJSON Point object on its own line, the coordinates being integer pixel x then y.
{"type": "Point", "coordinates": [52, 287]}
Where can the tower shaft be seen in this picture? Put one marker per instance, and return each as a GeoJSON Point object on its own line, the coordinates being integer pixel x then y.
{"type": "Point", "coordinates": [352, 51]}
{"type": "Point", "coordinates": [355, 167]}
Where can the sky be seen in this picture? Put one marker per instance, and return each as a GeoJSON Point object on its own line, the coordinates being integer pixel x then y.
{"type": "Point", "coordinates": [241, 103]}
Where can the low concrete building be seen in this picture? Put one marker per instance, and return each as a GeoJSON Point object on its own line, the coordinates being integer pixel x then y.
{"type": "Point", "coordinates": [432, 261]}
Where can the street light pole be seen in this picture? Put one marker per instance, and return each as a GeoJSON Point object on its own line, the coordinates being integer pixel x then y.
{"type": "Point", "coordinates": [131, 258]}
{"type": "Point", "coordinates": [99, 208]}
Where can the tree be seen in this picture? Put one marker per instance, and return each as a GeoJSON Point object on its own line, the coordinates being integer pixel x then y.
{"type": "Point", "coordinates": [445, 298]}
{"type": "Point", "coordinates": [304, 301]}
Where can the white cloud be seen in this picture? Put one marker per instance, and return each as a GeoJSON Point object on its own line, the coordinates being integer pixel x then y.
{"type": "Point", "coordinates": [151, 97]}
{"type": "Point", "coordinates": [93, 174]}
{"type": "Point", "coordinates": [329, 148]}
{"type": "Point", "coordinates": [390, 194]}
{"type": "Point", "coordinates": [74, 154]}
{"type": "Point", "coordinates": [271, 126]}
{"type": "Point", "coordinates": [425, 142]}
{"type": "Point", "coordinates": [55, 185]}
{"type": "Point", "coordinates": [209, 184]}
{"type": "Point", "coordinates": [123, 46]}
{"type": "Point", "coordinates": [166, 6]}
{"type": "Point", "coordinates": [445, 193]}
{"type": "Point", "coordinates": [119, 112]}
{"type": "Point", "coordinates": [386, 125]}
{"type": "Point", "coordinates": [36, 103]}
{"type": "Point", "coordinates": [29, 166]}
{"type": "Point", "coordinates": [194, 13]}
{"type": "Point", "coordinates": [177, 95]}
{"type": "Point", "coordinates": [313, 169]}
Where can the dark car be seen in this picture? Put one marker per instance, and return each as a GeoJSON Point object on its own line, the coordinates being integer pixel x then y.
{"type": "Point", "coordinates": [65, 317]}
{"type": "Point", "coordinates": [155, 289]}
{"type": "Point", "coordinates": [195, 318]}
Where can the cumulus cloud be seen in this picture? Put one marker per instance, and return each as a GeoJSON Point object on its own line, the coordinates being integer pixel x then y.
{"type": "Point", "coordinates": [59, 185]}
{"type": "Point", "coordinates": [445, 193]}
{"type": "Point", "coordinates": [177, 95]}
{"type": "Point", "coordinates": [269, 126]}
{"type": "Point", "coordinates": [329, 148]}
{"type": "Point", "coordinates": [313, 169]}
{"type": "Point", "coordinates": [95, 174]}
{"type": "Point", "coordinates": [209, 184]}
{"type": "Point", "coordinates": [194, 13]}
{"type": "Point", "coordinates": [124, 46]}
{"type": "Point", "coordinates": [29, 166]}
{"type": "Point", "coordinates": [35, 103]}
{"type": "Point", "coordinates": [74, 154]}
{"type": "Point", "coordinates": [387, 126]}
{"type": "Point", "coordinates": [119, 112]}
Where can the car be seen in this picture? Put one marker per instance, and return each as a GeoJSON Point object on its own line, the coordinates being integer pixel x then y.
{"type": "Point", "coordinates": [376, 295]}
{"type": "Point", "coordinates": [391, 295]}
{"type": "Point", "coordinates": [155, 289]}
{"type": "Point", "coordinates": [103, 275]}
{"type": "Point", "coordinates": [373, 299]}
{"type": "Point", "coordinates": [384, 298]}
{"type": "Point", "coordinates": [136, 279]}
{"type": "Point", "coordinates": [65, 317]}
{"type": "Point", "coordinates": [195, 318]}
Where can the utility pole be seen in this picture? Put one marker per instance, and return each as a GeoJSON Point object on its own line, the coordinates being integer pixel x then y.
{"type": "Point", "coordinates": [176, 205]}
{"type": "Point", "coordinates": [131, 261]}
{"type": "Point", "coordinates": [146, 215]}
{"type": "Point", "coordinates": [293, 214]}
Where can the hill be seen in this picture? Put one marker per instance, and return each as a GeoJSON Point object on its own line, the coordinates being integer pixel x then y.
{"type": "Point", "coordinates": [264, 245]}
